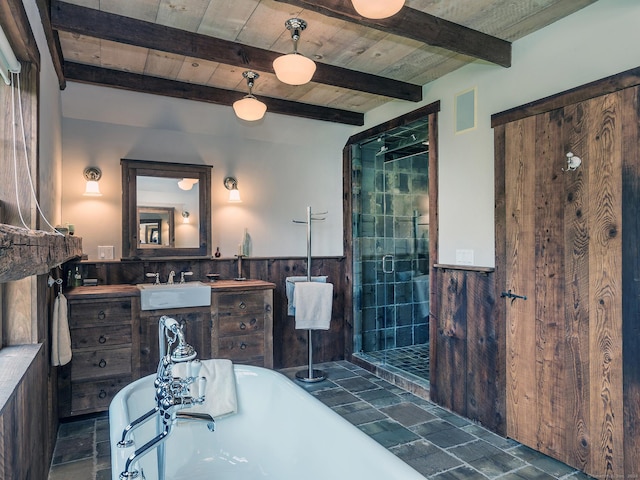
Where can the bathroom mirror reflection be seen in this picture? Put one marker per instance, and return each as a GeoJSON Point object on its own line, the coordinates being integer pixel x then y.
{"type": "Point", "coordinates": [166, 209]}
{"type": "Point", "coordinates": [156, 227]}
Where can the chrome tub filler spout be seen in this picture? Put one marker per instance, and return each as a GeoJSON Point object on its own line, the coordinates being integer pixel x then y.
{"type": "Point", "coordinates": [178, 385]}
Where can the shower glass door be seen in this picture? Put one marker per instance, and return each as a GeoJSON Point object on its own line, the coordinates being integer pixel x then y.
{"type": "Point", "coordinates": [390, 225]}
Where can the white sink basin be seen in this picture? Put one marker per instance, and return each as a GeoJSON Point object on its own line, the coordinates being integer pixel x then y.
{"type": "Point", "coordinates": [178, 295]}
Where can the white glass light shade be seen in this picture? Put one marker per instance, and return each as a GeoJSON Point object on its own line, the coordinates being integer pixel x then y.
{"type": "Point", "coordinates": [377, 8]}
{"type": "Point", "coordinates": [249, 108]}
{"type": "Point", "coordinates": [294, 69]}
{"type": "Point", "coordinates": [234, 196]}
{"type": "Point", "coordinates": [92, 189]}
{"type": "Point", "coordinates": [187, 183]}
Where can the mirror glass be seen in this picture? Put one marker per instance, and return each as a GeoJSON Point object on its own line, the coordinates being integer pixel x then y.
{"type": "Point", "coordinates": [166, 209]}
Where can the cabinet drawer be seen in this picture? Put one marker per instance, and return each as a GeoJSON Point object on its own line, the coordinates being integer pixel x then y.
{"type": "Point", "coordinates": [241, 324]}
{"type": "Point", "coordinates": [95, 396]}
{"type": "Point", "coordinates": [100, 336]}
{"type": "Point", "coordinates": [230, 304]}
{"type": "Point", "coordinates": [101, 363]}
{"type": "Point", "coordinates": [240, 348]}
{"type": "Point", "coordinates": [102, 313]}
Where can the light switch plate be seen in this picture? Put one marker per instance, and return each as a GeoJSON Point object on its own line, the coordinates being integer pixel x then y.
{"type": "Point", "coordinates": [106, 252]}
{"type": "Point", "coordinates": [464, 257]}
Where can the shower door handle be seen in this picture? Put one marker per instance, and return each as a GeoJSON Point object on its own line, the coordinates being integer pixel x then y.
{"type": "Point", "coordinates": [386, 259]}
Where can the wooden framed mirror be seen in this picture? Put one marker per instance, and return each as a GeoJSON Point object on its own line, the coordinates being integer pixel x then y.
{"type": "Point", "coordinates": [166, 209]}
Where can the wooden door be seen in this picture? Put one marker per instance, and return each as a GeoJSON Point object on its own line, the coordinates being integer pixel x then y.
{"type": "Point", "coordinates": [563, 250]}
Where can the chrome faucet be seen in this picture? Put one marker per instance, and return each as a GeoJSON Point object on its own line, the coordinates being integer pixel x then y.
{"type": "Point", "coordinates": [172, 394]}
{"type": "Point", "coordinates": [172, 274]}
{"type": "Point", "coordinates": [184, 274]}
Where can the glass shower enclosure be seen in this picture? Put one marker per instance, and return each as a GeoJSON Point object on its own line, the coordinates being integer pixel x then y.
{"type": "Point", "coordinates": [391, 249]}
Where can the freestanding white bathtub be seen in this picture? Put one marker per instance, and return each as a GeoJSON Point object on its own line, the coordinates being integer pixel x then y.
{"type": "Point", "coordinates": [279, 432]}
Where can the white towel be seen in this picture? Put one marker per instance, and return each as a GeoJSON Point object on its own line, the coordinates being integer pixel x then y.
{"type": "Point", "coordinates": [220, 393]}
{"type": "Point", "coordinates": [313, 302]}
{"type": "Point", "coordinates": [60, 336]}
{"type": "Point", "coordinates": [290, 290]}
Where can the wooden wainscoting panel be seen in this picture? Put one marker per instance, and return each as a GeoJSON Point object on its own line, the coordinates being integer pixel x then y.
{"type": "Point", "coordinates": [468, 372]}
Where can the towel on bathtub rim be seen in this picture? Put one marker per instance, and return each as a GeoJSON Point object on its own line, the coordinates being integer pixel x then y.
{"type": "Point", "coordinates": [313, 302]}
{"type": "Point", "coordinates": [220, 392]}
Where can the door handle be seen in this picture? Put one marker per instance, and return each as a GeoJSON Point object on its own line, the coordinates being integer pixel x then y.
{"type": "Point", "coordinates": [385, 260]}
{"type": "Point", "coordinates": [512, 296]}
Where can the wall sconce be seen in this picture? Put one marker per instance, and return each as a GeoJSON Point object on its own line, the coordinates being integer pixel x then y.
{"type": "Point", "coordinates": [377, 8]}
{"type": "Point", "coordinates": [92, 175]}
{"type": "Point", "coordinates": [185, 217]}
{"type": "Point", "coordinates": [293, 68]}
{"type": "Point", "coordinates": [187, 183]}
{"type": "Point", "coordinates": [231, 184]}
{"type": "Point", "coordinates": [249, 108]}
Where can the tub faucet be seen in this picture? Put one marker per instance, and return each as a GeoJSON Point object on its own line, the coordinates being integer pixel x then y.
{"type": "Point", "coordinates": [172, 394]}
{"type": "Point", "coordinates": [172, 274]}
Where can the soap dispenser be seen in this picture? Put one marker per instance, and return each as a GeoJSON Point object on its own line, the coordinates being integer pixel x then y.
{"type": "Point", "coordinates": [77, 277]}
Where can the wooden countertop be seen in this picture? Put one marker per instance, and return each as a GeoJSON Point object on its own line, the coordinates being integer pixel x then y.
{"type": "Point", "coordinates": [102, 291]}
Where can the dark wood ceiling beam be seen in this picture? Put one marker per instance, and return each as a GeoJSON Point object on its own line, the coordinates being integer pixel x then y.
{"type": "Point", "coordinates": [16, 26]}
{"type": "Point", "coordinates": [420, 26]}
{"type": "Point", "coordinates": [201, 93]}
{"type": "Point", "coordinates": [117, 28]}
{"type": "Point", "coordinates": [52, 40]}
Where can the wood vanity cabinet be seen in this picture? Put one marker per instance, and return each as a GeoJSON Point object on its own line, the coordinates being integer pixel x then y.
{"type": "Point", "coordinates": [195, 323]}
{"type": "Point", "coordinates": [115, 342]}
{"type": "Point", "coordinates": [242, 322]}
{"type": "Point", "coordinates": [101, 323]}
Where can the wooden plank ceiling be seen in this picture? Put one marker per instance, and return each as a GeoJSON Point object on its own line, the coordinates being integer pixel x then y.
{"type": "Point", "coordinates": [198, 49]}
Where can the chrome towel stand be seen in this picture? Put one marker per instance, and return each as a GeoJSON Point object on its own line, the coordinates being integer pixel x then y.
{"type": "Point", "coordinates": [310, 375]}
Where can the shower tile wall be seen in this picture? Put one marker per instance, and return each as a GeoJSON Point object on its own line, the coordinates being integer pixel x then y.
{"type": "Point", "coordinates": [390, 217]}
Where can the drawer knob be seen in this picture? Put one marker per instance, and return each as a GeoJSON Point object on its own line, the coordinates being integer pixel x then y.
{"type": "Point", "coordinates": [243, 326]}
{"type": "Point", "coordinates": [243, 346]}
{"type": "Point", "coordinates": [102, 363]}
{"type": "Point", "coordinates": [242, 305]}
{"type": "Point", "coordinates": [102, 339]}
{"type": "Point", "coordinates": [253, 322]}
{"type": "Point", "coordinates": [101, 315]}
{"type": "Point", "coordinates": [102, 394]}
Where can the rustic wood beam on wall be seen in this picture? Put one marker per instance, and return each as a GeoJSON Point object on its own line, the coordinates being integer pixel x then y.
{"type": "Point", "coordinates": [29, 252]}
{"type": "Point", "coordinates": [117, 28]}
{"type": "Point", "coordinates": [201, 93]}
{"type": "Point", "coordinates": [420, 26]}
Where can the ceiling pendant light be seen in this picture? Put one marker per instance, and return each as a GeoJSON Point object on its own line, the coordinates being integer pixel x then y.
{"type": "Point", "coordinates": [377, 8]}
{"type": "Point", "coordinates": [293, 68]}
{"type": "Point", "coordinates": [249, 108]}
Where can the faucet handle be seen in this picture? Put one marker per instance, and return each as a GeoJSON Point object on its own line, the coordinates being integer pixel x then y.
{"type": "Point", "coordinates": [184, 274]}
{"type": "Point", "coordinates": [156, 275]}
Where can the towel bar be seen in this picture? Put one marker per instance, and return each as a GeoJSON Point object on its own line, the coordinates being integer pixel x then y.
{"type": "Point", "coordinates": [310, 375]}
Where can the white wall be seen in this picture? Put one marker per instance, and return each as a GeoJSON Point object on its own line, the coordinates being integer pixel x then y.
{"type": "Point", "coordinates": [50, 127]}
{"type": "Point", "coordinates": [595, 42]}
{"type": "Point", "coordinates": [283, 164]}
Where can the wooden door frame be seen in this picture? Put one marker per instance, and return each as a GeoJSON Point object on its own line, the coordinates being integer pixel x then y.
{"type": "Point", "coordinates": [430, 111]}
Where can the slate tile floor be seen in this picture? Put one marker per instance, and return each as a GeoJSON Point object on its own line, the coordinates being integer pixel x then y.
{"type": "Point", "coordinates": [437, 443]}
